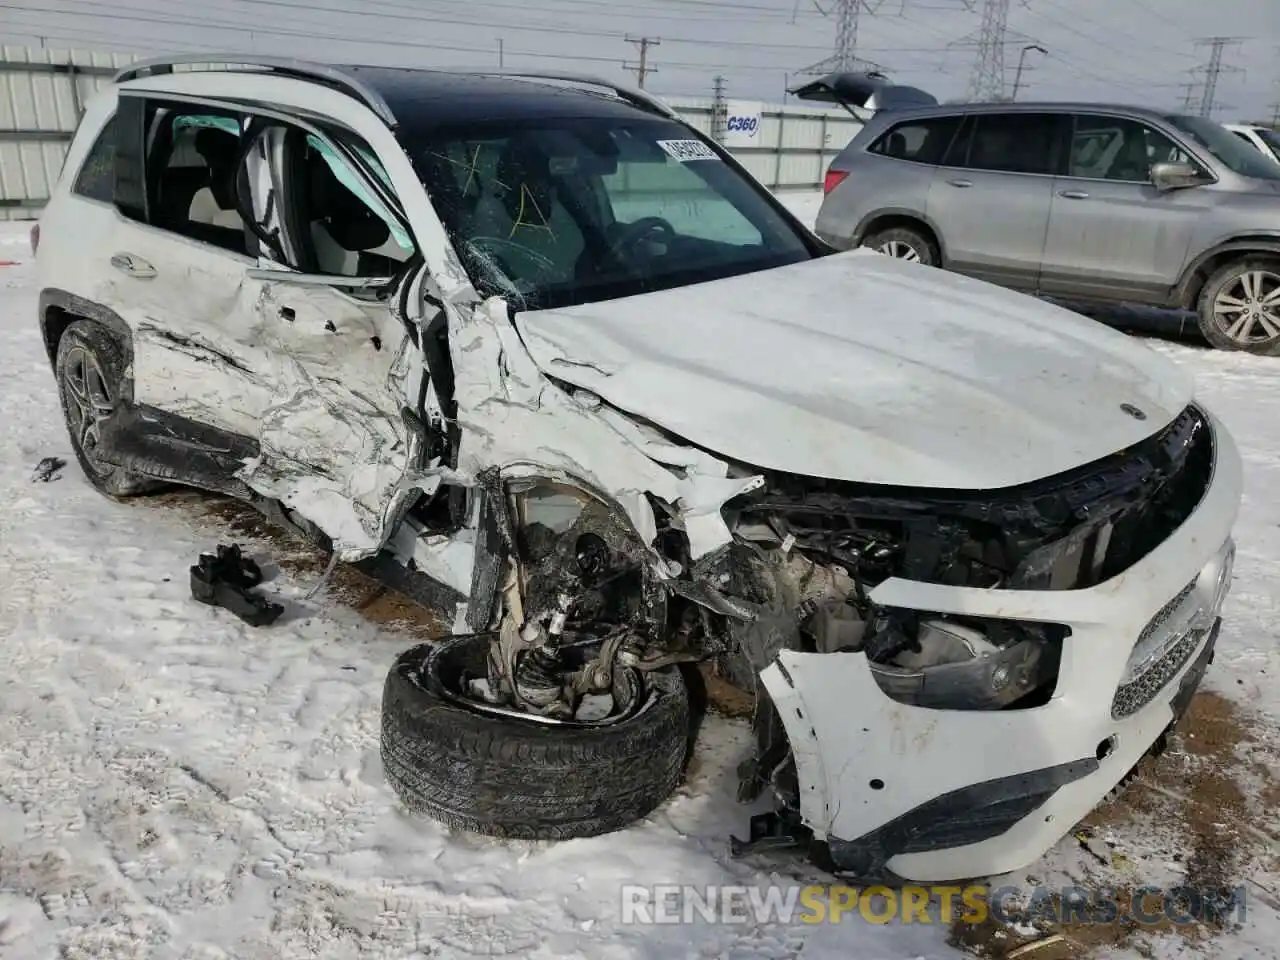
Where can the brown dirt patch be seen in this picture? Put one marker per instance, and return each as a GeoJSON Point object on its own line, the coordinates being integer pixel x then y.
{"type": "Point", "coordinates": [302, 560]}
{"type": "Point", "coordinates": [1214, 806]}
{"type": "Point", "coordinates": [725, 698]}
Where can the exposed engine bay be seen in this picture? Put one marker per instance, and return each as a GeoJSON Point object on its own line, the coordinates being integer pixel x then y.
{"type": "Point", "coordinates": [583, 597]}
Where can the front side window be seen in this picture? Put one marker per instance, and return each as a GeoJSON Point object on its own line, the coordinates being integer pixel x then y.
{"type": "Point", "coordinates": [1245, 161]}
{"type": "Point", "coordinates": [562, 211]}
{"type": "Point", "coordinates": [347, 229]}
{"type": "Point", "coordinates": [1007, 143]}
{"type": "Point", "coordinates": [924, 141]}
{"type": "Point", "coordinates": [1118, 148]}
{"type": "Point", "coordinates": [97, 175]}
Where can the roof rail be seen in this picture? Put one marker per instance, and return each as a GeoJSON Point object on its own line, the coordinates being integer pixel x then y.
{"type": "Point", "coordinates": [621, 90]}
{"type": "Point", "coordinates": [284, 66]}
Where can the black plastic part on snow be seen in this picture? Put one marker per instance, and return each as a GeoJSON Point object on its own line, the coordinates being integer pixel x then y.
{"type": "Point", "coordinates": [49, 468]}
{"type": "Point", "coordinates": [971, 814]}
{"type": "Point", "coordinates": [225, 580]}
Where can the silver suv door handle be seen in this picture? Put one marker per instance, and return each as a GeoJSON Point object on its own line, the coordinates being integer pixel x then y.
{"type": "Point", "coordinates": [1073, 194]}
{"type": "Point", "coordinates": [961, 183]}
{"type": "Point", "coordinates": [133, 266]}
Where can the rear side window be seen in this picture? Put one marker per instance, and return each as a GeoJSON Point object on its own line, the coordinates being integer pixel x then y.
{"type": "Point", "coordinates": [96, 178]}
{"type": "Point", "coordinates": [1007, 143]}
{"type": "Point", "coordinates": [924, 141]}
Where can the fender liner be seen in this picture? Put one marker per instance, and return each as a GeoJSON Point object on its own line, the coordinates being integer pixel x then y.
{"type": "Point", "coordinates": [1186, 290]}
{"type": "Point", "coordinates": [54, 302]}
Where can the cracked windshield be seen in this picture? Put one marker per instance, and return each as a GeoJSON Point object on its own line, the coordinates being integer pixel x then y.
{"type": "Point", "coordinates": [575, 211]}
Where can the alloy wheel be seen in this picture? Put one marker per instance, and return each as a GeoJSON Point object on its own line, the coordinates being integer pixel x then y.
{"type": "Point", "coordinates": [89, 402]}
{"type": "Point", "coordinates": [1247, 309]}
{"type": "Point", "coordinates": [899, 250]}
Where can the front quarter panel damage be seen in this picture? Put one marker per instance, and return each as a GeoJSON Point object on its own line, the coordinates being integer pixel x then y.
{"type": "Point", "coordinates": [509, 413]}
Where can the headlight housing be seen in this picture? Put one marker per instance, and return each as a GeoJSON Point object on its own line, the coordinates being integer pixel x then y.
{"type": "Point", "coordinates": [947, 664]}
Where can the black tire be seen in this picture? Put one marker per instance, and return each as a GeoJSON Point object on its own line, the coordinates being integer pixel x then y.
{"type": "Point", "coordinates": [1215, 330]}
{"type": "Point", "coordinates": [926, 251]}
{"type": "Point", "coordinates": [521, 779]}
{"type": "Point", "coordinates": [85, 340]}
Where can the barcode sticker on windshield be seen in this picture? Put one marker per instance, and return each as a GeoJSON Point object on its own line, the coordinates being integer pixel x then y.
{"type": "Point", "coordinates": [685, 150]}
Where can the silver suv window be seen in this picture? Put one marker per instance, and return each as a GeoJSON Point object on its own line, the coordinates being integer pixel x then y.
{"type": "Point", "coordinates": [1226, 149]}
{"type": "Point", "coordinates": [923, 141]}
{"type": "Point", "coordinates": [1007, 143]}
{"type": "Point", "coordinates": [1119, 148]}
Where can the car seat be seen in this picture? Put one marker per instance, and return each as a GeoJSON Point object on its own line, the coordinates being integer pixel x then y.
{"type": "Point", "coordinates": [522, 205]}
{"type": "Point", "coordinates": [350, 240]}
{"type": "Point", "coordinates": [1132, 162]}
{"type": "Point", "coordinates": [215, 202]}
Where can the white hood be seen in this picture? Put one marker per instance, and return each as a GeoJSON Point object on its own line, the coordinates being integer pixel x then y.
{"type": "Point", "coordinates": [861, 367]}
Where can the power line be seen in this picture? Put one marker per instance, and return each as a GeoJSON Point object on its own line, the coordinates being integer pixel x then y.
{"type": "Point", "coordinates": [427, 19]}
{"type": "Point", "coordinates": [642, 69]}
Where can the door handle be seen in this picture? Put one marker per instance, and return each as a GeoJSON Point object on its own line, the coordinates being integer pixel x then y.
{"type": "Point", "coordinates": [1073, 194]}
{"type": "Point", "coordinates": [135, 267]}
{"type": "Point", "coordinates": [961, 183]}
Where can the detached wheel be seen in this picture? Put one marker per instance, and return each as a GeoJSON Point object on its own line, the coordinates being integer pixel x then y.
{"type": "Point", "coordinates": [904, 243]}
{"type": "Point", "coordinates": [1239, 307]}
{"type": "Point", "coordinates": [502, 774]}
{"type": "Point", "coordinates": [90, 369]}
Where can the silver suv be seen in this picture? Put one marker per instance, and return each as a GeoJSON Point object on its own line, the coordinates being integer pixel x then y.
{"type": "Point", "coordinates": [1073, 201]}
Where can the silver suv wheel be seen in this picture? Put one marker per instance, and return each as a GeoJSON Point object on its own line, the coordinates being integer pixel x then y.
{"type": "Point", "coordinates": [1239, 307]}
{"type": "Point", "coordinates": [904, 243]}
{"type": "Point", "coordinates": [1248, 308]}
{"type": "Point", "coordinates": [900, 249]}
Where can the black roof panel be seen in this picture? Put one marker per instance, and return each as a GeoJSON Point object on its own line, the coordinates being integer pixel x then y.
{"type": "Point", "coordinates": [429, 98]}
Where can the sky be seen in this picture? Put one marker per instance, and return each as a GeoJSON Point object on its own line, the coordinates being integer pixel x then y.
{"type": "Point", "coordinates": [1132, 51]}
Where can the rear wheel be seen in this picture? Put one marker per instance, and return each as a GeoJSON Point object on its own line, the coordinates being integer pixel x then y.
{"type": "Point", "coordinates": [904, 243]}
{"type": "Point", "coordinates": [90, 369]}
{"type": "Point", "coordinates": [1239, 307]}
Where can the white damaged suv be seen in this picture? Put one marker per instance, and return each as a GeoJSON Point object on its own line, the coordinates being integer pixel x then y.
{"type": "Point", "coordinates": [531, 349]}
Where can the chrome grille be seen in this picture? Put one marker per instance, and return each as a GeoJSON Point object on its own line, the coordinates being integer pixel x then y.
{"type": "Point", "coordinates": [1137, 693]}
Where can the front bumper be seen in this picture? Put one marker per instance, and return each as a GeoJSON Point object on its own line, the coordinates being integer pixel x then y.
{"type": "Point", "coordinates": [940, 795]}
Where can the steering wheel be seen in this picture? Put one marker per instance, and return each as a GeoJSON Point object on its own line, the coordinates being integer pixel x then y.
{"type": "Point", "coordinates": [543, 265]}
{"type": "Point", "coordinates": [633, 233]}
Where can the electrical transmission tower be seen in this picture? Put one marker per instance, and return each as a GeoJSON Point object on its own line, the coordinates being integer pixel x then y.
{"type": "Point", "coordinates": [986, 82]}
{"type": "Point", "coordinates": [987, 79]}
{"type": "Point", "coordinates": [719, 110]}
{"type": "Point", "coordinates": [641, 69]}
{"type": "Point", "coordinates": [843, 58]}
{"type": "Point", "coordinates": [1214, 69]}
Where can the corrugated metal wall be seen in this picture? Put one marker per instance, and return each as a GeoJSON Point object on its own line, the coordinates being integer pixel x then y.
{"type": "Point", "coordinates": [796, 144]}
{"type": "Point", "coordinates": [41, 97]}
{"type": "Point", "coordinates": [42, 93]}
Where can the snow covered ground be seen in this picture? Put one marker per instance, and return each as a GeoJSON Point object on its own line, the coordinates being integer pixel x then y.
{"type": "Point", "coordinates": [174, 784]}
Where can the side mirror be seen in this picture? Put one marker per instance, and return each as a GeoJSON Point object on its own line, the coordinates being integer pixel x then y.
{"type": "Point", "coordinates": [284, 275]}
{"type": "Point", "coordinates": [1175, 176]}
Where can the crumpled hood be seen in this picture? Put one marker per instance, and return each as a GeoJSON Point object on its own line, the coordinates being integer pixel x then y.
{"type": "Point", "coordinates": [861, 367]}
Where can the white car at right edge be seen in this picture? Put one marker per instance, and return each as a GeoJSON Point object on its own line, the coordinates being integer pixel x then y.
{"type": "Point", "coordinates": [534, 350]}
{"type": "Point", "coordinates": [1263, 139]}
